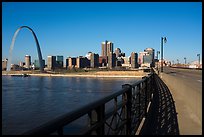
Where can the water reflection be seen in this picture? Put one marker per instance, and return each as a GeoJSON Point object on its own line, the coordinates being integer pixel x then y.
{"type": "Point", "coordinates": [31, 101]}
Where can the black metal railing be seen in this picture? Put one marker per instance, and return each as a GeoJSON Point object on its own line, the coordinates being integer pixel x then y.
{"type": "Point", "coordinates": [129, 108]}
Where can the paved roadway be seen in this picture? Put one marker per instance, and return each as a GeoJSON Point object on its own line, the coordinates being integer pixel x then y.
{"type": "Point", "coordinates": [186, 88]}
{"type": "Point", "coordinates": [189, 76]}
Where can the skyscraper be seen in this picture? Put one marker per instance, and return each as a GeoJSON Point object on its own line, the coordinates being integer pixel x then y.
{"type": "Point", "coordinates": [51, 62]}
{"type": "Point", "coordinates": [134, 63]}
{"type": "Point", "coordinates": [94, 62]}
{"type": "Point", "coordinates": [117, 52]}
{"type": "Point", "coordinates": [4, 64]}
{"type": "Point", "coordinates": [71, 62]}
{"type": "Point", "coordinates": [37, 64]}
{"type": "Point", "coordinates": [82, 62]}
{"type": "Point", "coordinates": [104, 48]}
{"type": "Point", "coordinates": [111, 60]}
{"type": "Point", "coordinates": [59, 61]}
{"type": "Point", "coordinates": [27, 61]}
{"type": "Point", "coordinates": [103, 61]}
{"type": "Point", "coordinates": [151, 56]}
{"type": "Point", "coordinates": [140, 58]}
{"type": "Point", "coordinates": [88, 55]}
{"type": "Point", "coordinates": [107, 47]}
{"type": "Point", "coordinates": [67, 63]}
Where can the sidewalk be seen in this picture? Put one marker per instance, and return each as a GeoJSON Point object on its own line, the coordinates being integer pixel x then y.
{"type": "Point", "coordinates": [162, 116]}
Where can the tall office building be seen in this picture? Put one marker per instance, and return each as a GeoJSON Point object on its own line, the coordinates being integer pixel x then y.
{"type": "Point", "coordinates": [82, 62]}
{"type": "Point", "coordinates": [37, 64]}
{"type": "Point", "coordinates": [134, 63]}
{"type": "Point", "coordinates": [126, 62]}
{"type": "Point", "coordinates": [88, 55]}
{"type": "Point", "coordinates": [51, 62]}
{"type": "Point", "coordinates": [140, 58]}
{"type": "Point", "coordinates": [104, 48]}
{"type": "Point", "coordinates": [103, 61]}
{"type": "Point", "coordinates": [71, 62]}
{"type": "Point", "coordinates": [27, 61]}
{"type": "Point", "coordinates": [107, 47]}
{"type": "Point", "coordinates": [4, 64]}
{"type": "Point", "coordinates": [118, 52]}
{"type": "Point", "coordinates": [59, 61]}
{"type": "Point", "coordinates": [150, 59]}
{"type": "Point", "coordinates": [111, 60]}
{"type": "Point", "coordinates": [94, 62]}
{"type": "Point", "coordinates": [67, 63]}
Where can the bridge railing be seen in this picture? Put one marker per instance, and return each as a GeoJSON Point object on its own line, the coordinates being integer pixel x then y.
{"type": "Point", "coordinates": [129, 106]}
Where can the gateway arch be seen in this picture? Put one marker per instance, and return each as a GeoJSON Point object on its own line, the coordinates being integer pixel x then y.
{"type": "Point", "coordinates": [12, 45]}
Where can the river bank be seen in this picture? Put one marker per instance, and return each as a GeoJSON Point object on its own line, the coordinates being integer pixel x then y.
{"type": "Point", "coordinates": [106, 74]}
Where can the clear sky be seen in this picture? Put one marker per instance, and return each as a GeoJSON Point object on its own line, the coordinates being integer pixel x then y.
{"type": "Point", "coordinates": [75, 28]}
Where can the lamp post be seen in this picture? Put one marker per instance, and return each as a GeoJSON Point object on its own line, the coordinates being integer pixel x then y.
{"type": "Point", "coordinates": [185, 60]}
{"type": "Point", "coordinates": [198, 60]}
{"type": "Point", "coordinates": [177, 61]}
{"type": "Point", "coordinates": [165, 40]}
{"type": "Point", "coordinates": [158, 52]}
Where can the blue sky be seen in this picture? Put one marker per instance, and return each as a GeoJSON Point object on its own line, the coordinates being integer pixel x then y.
{"type": "Point", "coordinates": [75, 28]}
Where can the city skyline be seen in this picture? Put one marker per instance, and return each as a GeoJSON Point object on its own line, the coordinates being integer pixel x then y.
{"type": "Point", "coordinates": [74, 29]}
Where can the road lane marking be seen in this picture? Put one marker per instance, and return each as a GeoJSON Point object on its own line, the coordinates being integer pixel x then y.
{"type": "Point", "coordinates": [199, 80]}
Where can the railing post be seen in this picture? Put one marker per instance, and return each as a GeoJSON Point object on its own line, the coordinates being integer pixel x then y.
{"type": "Point", "coordinates": [139, 98]}
{"type": "Point", "coordinates": [124, 100]}
{"type": "Point", "coordinates": [97, 116]}
{"type": "Point", "coordinates": [115, 115]}
{"type": "Point", "coordinates": [129, 108]}
{"type": "Point", "coordinates": [101, 116]}
{"type": "Point", "coordinates": [152, 83]}
{"type": "Point", "coordinates": [146, 95]}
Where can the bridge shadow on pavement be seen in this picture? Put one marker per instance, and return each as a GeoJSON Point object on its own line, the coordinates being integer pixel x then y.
{"type": "Point", "coordinates": [162, 117]}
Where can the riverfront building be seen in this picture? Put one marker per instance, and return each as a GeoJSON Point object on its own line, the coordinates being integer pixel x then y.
{"type": "Point", "coordinates": [111, 60]}
{"type": "Point", "coordinates": [27, 61]}
{"type": "Point", "coordinates": [140, 58]}
{"type": "Point", "coordinates": [59, 61]}
{"type": "Point", "coordinates": [15, 67]}
{"type": "Point", "coordinates": [107, 47]}
{"type": "Point", "coordinates": [134, 63]}
{"type": "Point", "coordinates": [104, 48]}
{"type": "Point", "coordinates": [150, 57]}
{"type": "Point", "coordinates": [126, 62]}
{"type": "Point", "coordinates": [21, 64]}
{"type": "Point", "coordinates": [66, 63]}
{"type": "Point", "coordinates": [37, 64]}
{"type": "Point", "coordinates": [94, 62]}
{"type": "Point", "coordinates": [4, 64]}
{"type": "Point", "coordinates": [82, 62]}
{"type": "Point", "coordinates": [118, 52]}
{"type": "Point", "coordinates": [88, 55]}
{"type": "Point", "coordinates": [70, 62]}
{"type": "Point", "coordinates": [103, 61]}
{"type": "Point", "coordinates": [51, 62]}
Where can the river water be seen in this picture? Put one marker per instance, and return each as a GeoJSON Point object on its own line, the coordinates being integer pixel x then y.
{"type": "Point", "coordinates": [28, 102]}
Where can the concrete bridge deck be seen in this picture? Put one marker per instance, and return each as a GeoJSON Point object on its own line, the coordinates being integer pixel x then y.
{"type": "Point", "coordinates": [177, 101]}
{"type": "Point", "coordinates": [162, 115]}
